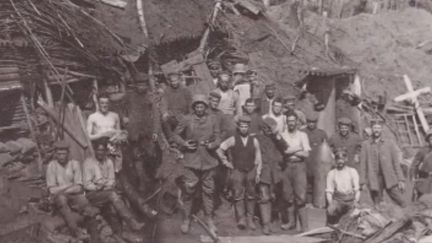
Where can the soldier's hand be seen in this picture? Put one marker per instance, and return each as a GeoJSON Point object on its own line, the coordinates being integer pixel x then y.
{"type": "Point", "coordinates": [229, 165]}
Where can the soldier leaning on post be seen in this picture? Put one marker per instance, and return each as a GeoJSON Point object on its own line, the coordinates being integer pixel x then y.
{"type": "Point", "coordinates": [421, 168]}
{"type": "Point", "coordinates": [246, 166]}
{"type": "Point", "coordinates": [342, 188]}
{"type": "Point", "coordinates": [64, 182]}
{"type": "Point", "coordinates": [198, 135]}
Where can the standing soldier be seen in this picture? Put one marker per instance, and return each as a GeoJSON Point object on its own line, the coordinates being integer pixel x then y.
{"type": "Point", "coordinates": [380, 166]}
{"type": "Point", "coordinates": [421, 168]}
{"type": "Point", "coordinates": [246, 168]}
{"type": "Point", "coordinates": [316, 172]}
{"type": "Point", "coordinates": [106, 124]}
{"type": "Point", "coordinates": [277, 115]}
{"type": "Point", "coordinates": [201, 137]}
{"type": "Point", "coordinates": [294, 179]}
{"type": "Point", "coordinates": [242, 86]}
{"type": "Point", "coordinates": [270, 174]}
{"type": "Point", "coordinates": [290, 107]}
{"type": "Point", "coordinates": [229, 102]}
{"type": "Point", "coordinates": [64, 182]}
{"type": "Point", "coordinates": [256, 119]}
{"type": "Point", "coordinates": [348, 139]}
{"type": "Point", "coordinates": [267, 99]}
{"type": "Point", "coordinates": [342, 188]}
{"type": "Point", "coordinates": [175, 104]}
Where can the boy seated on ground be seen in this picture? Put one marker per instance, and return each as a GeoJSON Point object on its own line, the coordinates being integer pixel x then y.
{"type": "Point", "coordinates": [64, 182]}
{"type": "Point", "coordinates": [99, 182]}
{"type": "Point", "coordinates": [342, 189]}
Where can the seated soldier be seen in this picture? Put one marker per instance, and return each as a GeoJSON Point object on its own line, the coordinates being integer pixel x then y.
{"type": "Point", "coordinates": [342, 188]}
{"type": "Point", "coordinates": [64, 182]}
{"type": "Point", "coordinates": [99, 182]}
{"type": "Point", "coordinates": [245, 168]}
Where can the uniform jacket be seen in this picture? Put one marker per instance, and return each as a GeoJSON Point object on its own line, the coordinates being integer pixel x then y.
{"type": "Point", "coordinates": [388, 159]}
{"type": "Point", "coordinates": [200, 129]}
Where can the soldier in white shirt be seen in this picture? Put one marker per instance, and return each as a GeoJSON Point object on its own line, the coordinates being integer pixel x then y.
{"type": "Point", "coordinates": [342, 188]}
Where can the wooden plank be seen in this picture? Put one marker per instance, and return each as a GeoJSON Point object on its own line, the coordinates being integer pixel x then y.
{"type": "Point", "coordinates": [271, 239]}
{"type": "Point", "coordinates": [417, 131]}
{"type": "Point", "coordinates": [408, 129]}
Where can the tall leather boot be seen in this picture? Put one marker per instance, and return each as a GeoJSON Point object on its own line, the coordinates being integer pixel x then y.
{"type": "Point", "coordinates": [126, 215]}
{"type": "Point", "coordinates": [250, 205]}
{"type": "Point", "coordinates": [187, 209]}
{"type": "Point", "coordinates": [303, 219]}
{"type": "Point", "coordinates": [240, 208]}
{"type": "Point", "coordinates": [265, 210]}
{"type": "Point", "coordinates": [291, 219]}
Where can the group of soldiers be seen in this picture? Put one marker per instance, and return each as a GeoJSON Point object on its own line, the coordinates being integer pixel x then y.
{"type": "Point", "coordinates": [240, 142]}
{"type": "Point", "coordinates": [255, 140]}
{"type": "Point", "coordinates": [89, 188]}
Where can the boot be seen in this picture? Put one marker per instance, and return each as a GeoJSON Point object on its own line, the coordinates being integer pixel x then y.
{"type": "Point", "coordinates": [240, 208]}
{"type": "Point", "coordinates": [186, 208]}
{"type": "Point", "coordinates": [211, 226]}
{"type": "Point", "coordinates": [71, 220]}
{"type": "Point", "coordinates": [291, 219]}
{"type": "Point", "coordinates": [265, 210]}
{"type": "Point", "coordinates": [250, 214]}
{"type": "Point", "coordinates": [126, 215]}
{"type": "Point", "coordinates": [303, 219]}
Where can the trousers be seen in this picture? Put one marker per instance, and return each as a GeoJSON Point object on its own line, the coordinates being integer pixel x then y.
{"type": "Point", "coordinates": [294, 183]}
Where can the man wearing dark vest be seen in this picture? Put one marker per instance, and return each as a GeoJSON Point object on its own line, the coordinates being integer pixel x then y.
{"type": "Point", "coordinates": [246, 168]}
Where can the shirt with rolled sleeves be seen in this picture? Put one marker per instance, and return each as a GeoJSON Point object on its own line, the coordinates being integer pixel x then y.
{"type": "Point", "coordinates": [345, 181]}
{"type": "Point", "coordinates": [58, 175]}
{"type": "Point", "coordinates": [96, 173]}
{"type": "Point", "coordinates": [203, 129]}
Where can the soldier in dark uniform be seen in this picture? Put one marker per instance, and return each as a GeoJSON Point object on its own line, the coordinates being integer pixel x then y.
{"type": "Point", "coordinates": [316, 176]}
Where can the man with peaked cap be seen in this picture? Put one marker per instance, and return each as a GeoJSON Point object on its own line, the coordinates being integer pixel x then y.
{"type": "Point", "coordinates": [198, 135]}
{"type": "Point", "coordinates": [241, 84]}
{"type": "Point", "coordinates": [342, 188]}
{"type": "Point", "coordinates": [421, 168]}
{"type": "Point", "coordinates": [316, 176]}
{"type": "Point", "coordinates": [246, 166]}
{"type": "Point", "coordinates": [267, 98]}
{"type": "Point", "coordinates": [257, 87]}
{"type": "Point", "coordinates": [215, 68]}
{"type": "Point", "coordinates": [229, 102]}
{"type": "Point", "coordinates": [290, 106]}
{"type": "Point", "coordinates": [345, 137]}
{"type": "Point", "coordinates": [64, 182]}
{"type": "Point", "coordinates": [380, 166]}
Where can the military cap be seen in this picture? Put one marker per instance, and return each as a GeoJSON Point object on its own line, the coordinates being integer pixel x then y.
{"type": "Point", "coordinates": [199, 98]}
{"type": "Point", "coordinates": [239, 68]}
{"type": "Point", "coordinates": [340, 152]}
{"type": "Point", "coordinates": [214, 64]}
{"type": "Point", "coordinates": [344, 121]}
{"type": "Point", "coordinates": [289, 99]}
{"type": "Point", "coordinates": [61, 144]}
{"type": "Point", "coordinates": [376, 121]}
{"type": "Point", "coordinates": [270, 86]}
{"type": "Point", "coordinates": [244, 119]}
{"type": "Point", "coordinates": [270, 122]}
{"type": "Point", "coordinates": [215, 94]}
{"type": "Point", "coordinates": [312, 117]}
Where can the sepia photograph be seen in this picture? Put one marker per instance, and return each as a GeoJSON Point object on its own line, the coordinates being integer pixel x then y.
{"type": "Point", "coordinates": [215, 121]}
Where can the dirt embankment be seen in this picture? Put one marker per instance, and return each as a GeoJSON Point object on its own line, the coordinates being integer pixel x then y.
{"type": "Point", "coordinates": [385, 46]}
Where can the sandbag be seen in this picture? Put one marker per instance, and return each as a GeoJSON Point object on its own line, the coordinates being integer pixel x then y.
{"type": "Point", "coordinates": [13, 147]}
{"type": "Point", "coordinates": [27, 145]}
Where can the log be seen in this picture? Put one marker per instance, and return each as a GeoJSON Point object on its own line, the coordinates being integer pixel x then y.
{"type": "Point", "coordinates": [8, 70]}
{"type": "Point", "coordinates": [9, 76]}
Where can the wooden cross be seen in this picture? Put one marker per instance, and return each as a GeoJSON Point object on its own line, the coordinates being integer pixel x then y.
{"type": "Point", "coordinates": [412, 96]}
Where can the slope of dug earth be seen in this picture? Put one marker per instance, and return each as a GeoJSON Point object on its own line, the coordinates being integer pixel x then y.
{"type": "Point", "coordinates": [386, 46]}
